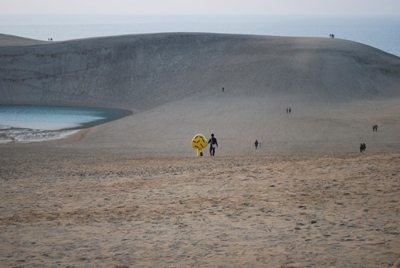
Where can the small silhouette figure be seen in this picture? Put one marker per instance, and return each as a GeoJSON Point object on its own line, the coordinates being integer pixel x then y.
{"type": "Point", "coordinates": [223, 89]}
{"type": "Point", "coordinates": [375, 128]}
{"type": "Point", "coordinates": [256, 144]}
{"type": "Point", "coordinates": [362, 147]}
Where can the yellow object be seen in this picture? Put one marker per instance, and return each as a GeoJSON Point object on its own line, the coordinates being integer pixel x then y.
{"type": "Point", "coordinates": [199, 142]}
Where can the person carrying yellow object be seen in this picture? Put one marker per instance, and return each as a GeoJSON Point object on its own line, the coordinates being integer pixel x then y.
{"type": "Point", "coordinates": [213, 144]}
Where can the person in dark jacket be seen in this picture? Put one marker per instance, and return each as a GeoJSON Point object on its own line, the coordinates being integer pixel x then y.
{"type": "Point", "coordinates": [213, 144]}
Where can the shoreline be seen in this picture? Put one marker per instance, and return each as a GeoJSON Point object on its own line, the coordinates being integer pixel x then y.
{"type": "Point", "coordinates": [27, 135]}
{"type": "Point", "coordinates": [73, 137]}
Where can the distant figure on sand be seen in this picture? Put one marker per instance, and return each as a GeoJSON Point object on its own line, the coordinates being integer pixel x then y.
{"type": "Point", "coordinates": [375, 128]}
{"type": "Point", "coordinates": [223, 89]}
{"type": "Point", "coordinates": [213, 144]}
{"type": "Point", "coordinates": [256, 144]}
{"type": "Point", "coordinates": [362, 147]}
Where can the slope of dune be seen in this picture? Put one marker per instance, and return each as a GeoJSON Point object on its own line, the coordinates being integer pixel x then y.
{"type": "Point", "coordinates": [337, 90]}
{"type": "Point", "coordinates": [11, 40]}
{"type": "Point", "coordinates": [142, 71]}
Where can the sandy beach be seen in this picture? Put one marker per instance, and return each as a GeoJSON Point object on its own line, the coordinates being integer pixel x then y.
{"type": "Point", "coordinates": [132, 193]}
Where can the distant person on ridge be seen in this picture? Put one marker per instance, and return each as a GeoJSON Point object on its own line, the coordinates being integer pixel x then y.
{"type": "Point", "coordinates": [213, 144]}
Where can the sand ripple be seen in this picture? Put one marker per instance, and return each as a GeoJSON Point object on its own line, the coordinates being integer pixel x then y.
{"type": "Point", "coordinates": [278, 211]}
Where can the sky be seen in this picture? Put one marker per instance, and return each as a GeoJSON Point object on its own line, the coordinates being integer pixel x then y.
{"type": "Point", "coordinates": [202, 7]}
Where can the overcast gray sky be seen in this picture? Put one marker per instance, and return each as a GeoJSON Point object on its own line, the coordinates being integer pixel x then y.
{"type": "Point", "coordinates": [278, 7]}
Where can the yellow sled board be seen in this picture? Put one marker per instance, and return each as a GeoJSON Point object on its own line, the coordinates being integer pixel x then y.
{"type": "Point", "coordinates": [199, 142]}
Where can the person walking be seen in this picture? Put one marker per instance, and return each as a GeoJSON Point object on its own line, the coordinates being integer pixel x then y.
{"type": "Point", "coordinates": [213, 144]}
{"type": "Point", "coordinates": [362, 147]}
{"type": "Point", "coordinates": [256, 144]}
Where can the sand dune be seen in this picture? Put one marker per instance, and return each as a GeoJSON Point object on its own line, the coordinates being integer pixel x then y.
{"type": "Point", "coordinates": [131, 193]}
{"type": "Point", "coordinates": [139, 72]}
{"type": "Point", "coordinates": [337, 90]}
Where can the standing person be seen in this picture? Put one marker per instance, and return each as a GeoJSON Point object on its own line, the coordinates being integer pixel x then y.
{"type": "Point", "coordinates": [362, 147]}
{"type": "Point", "coordinates": [256, 144]}
{"type": "Point", "coordinates": [213, 144]}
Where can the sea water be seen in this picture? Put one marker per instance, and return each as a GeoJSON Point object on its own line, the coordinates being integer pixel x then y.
{"type": "Point", "coordinates": [380, 32]}
{"type": "Point", "coordinates": [38, 123]}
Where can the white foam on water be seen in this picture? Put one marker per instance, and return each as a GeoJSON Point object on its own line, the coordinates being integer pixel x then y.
{"type": "Point", "coordinates": [23, 124]}
{"type": "Point", "coordinates": [26, 135]}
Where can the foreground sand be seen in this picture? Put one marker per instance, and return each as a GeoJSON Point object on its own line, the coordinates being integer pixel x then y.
{"type": "Point", "coordinates": [82, 210]}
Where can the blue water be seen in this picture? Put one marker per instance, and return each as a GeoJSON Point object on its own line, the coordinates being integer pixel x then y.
{"type": "Point", "coordinates": [379, 32]}
{"type": "Point", "coordinates": [56, 118]}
